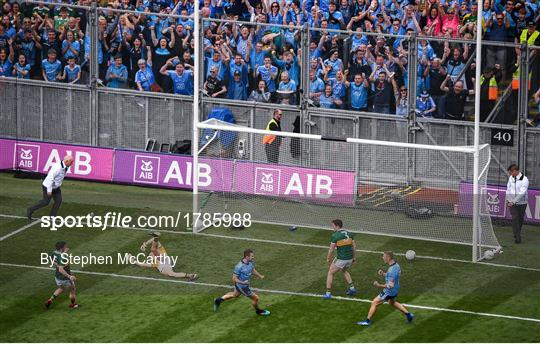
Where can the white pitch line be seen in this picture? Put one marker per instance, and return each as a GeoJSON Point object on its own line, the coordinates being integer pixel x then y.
{"type": "Point", "coordinates": [273, 291]}
{"type": "Point", "coordinates": [19, 230]}
{"type": "Point", "coordinates": [317, 246]}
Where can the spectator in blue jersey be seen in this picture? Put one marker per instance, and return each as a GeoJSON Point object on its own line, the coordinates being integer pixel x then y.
{"type": "Point", "coordinates": [3, 36]}
{"type": "Point", "coordinates": [72, 71]}
{"type": "Point", "coordinates": [291, 36]}
{"type": "Point", "coordinates": [144, 78]}
{"type": "Point", "coordinates": [289, 64]}
{"type": "Point", "coordinates": [217, 62]}
{"type": "Point", "coordinates": [315, 50]}
{"type": "Point", "coordinates": [333, 64]}
{"type": "Point", "coordinates": [243, 40]}
{"type": "Point", "coordinates": [358, 93]}
{"type": "Point", "coordinates": [28, 45]}
{"type": "Point", "coordinates": [237, 88]}
{"type": "Point", "coordinates": [117, 74]}
{"type": "Point", "coordinates": [275, 15]}
{"type": "Point", "coordinates": [268, 73]}
{"type": "Point", "coordinates": [334, 17]}
{"type": "Point", "coordinates": [182, 79]}
{"type": "Point", "coordinates": [328, 100]}
{"type": "Point", "coordinates": [316, 86]}
{"type": "Point", "coordinates": [425, 106]}
{"type": "Point", "coordinates": [51, 67]}
{"type": "Point", "coordinates": [6, 60]}
{"type": "Point", "coordinates": [287, 89]}
{"type": "Point", "coordinates": [70, 47]}
{"type": "Point", "coordinates": [255, 56]}
{"type": "Point", "coordinates": [21, 69]}
{"type": "Point", "coordinates": [339, 89]}
{"type": "Point", "coordinates": [358, 39]}
{"type": "Point", "coordinates": [238, 65]}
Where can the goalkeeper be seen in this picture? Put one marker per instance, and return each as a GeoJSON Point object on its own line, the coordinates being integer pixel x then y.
{"type": "Point", "coordinates": [161, 260]}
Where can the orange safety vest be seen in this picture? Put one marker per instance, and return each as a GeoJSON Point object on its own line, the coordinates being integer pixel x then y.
{"type": "Point", "coordinates": [268, 139]}
{"type": "Point", "coordinates": [493, 90]}
{"type": "Point", "coordinates": [515, 79]}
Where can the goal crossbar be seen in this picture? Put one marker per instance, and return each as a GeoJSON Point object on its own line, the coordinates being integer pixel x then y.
{"type": "Point", "coordinates": [220, 125]}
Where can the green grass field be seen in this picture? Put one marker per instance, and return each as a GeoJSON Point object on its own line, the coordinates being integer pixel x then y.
{"type": "Point", "coordinates": [453, 300]}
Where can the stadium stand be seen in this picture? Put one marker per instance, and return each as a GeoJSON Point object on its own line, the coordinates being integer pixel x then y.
{"type": "Point", "coordinates": [251, 42]}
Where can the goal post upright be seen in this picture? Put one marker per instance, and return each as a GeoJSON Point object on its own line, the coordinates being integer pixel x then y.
{"type": "Point", "coordinates": [476, 154]}
{"type": "Point", "coordinates": [196, 111]}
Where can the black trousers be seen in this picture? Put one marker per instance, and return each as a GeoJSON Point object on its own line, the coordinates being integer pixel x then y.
{"type": "Point", "coordinates": [272, 152]}
{"type": "Point", "coordinates": [518, 216]}
{"type": "Point", "coordinates": [56, 196]}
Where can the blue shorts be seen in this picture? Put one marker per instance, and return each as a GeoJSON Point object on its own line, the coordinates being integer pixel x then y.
{"type": "Point", "coordinates": [385, 297]}
{"type": "Point", "coordinates": [244, 290]}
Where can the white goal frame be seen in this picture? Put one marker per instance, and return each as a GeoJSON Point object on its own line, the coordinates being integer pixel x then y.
{"type": "Point", "coordinates": [218, 125]}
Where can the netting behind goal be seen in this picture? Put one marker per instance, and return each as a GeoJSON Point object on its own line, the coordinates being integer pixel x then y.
{"type": "Point", "coordinates": [384, 188]}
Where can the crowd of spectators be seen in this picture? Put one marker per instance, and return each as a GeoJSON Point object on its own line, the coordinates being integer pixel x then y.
{"type": "Point", "coordinates": [254, 51]}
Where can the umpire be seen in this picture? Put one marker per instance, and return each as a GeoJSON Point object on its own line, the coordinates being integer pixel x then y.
{"type": "Point", "coordinates": [51, 187]}
{"type": "Point", "coordinates": [272, 142]}
{"type": "Point", "coordinates": [517, 199]}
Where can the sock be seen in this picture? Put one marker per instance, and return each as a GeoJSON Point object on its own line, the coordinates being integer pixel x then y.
{"type": "Point", "coordinates": [407, 314]}
{"type": "Point", "coordinates": [328, 292]}
{"type": "Point", "coordinates": [72, 301]}
{"type": "Point", "coordinates": [53, 296]}
{"type": "Point", "coordinates": [351, 286]}
{"type": "Point", "coordinates": [258, 310]}
{"type": "Point", "coordinates": [219, 300]}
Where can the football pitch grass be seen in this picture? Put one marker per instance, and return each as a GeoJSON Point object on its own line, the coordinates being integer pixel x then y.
{"type": "Point", "coordinates": [453, 299]}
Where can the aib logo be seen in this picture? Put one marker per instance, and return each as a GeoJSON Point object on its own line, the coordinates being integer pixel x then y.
{"type": "Point", "coordinates": [146, 169]}
{"type": "Point", "coordinates": [26, 157]}
{"type": "Point", "coordinates": [267, 181]}
{"type": "Point", "coordinates": [494, 203]}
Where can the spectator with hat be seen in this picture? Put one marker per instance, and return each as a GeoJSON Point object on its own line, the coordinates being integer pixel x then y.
{"type": "Point", "coordinates": [237, 88]}
{"type": "Point", "coordinates": [425, 106]}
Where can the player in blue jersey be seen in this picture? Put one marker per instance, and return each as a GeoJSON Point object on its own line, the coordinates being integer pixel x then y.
{"type": "Point", "coordinates": [241, 275]}
{"type": "Point", "coordinates": [390, 289]}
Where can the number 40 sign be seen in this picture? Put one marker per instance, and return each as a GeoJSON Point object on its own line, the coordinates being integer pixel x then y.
{"type": "Point", "coordinates": [502, 137]}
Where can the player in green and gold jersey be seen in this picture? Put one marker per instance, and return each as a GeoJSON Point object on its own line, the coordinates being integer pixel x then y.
{"type": "Point", "coordinates": [342, 242]}
{"type": "Point", "coordinates": [62, 275]}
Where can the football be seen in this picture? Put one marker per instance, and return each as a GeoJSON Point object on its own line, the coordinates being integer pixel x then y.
{"type": "Point", "coordinates": [410, 255]}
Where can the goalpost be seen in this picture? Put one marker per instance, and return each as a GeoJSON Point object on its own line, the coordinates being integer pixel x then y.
{"type": "Point", "coordinates": [363, 182]}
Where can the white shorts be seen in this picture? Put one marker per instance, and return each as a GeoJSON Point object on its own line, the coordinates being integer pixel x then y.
{"type": "Point", "coordinates": [343, 264]}
{"type": "Point", "coordinates": [63, 283]}
{"type": "Point", "coordinates": [165, 263]}
{"type": "Point", "coordinates": [164, 267]}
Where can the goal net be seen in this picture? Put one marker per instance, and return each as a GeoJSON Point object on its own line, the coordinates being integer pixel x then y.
{"type": "Point", "coordinates": [378, 187]}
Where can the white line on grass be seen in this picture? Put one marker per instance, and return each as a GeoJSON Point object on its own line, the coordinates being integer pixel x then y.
{"type": "Point", "coordinates": [317, 246]}
{"type": "Point", "coordinates": [272, 291]}
{"type": "Point", "coordinates": [19, 230]}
